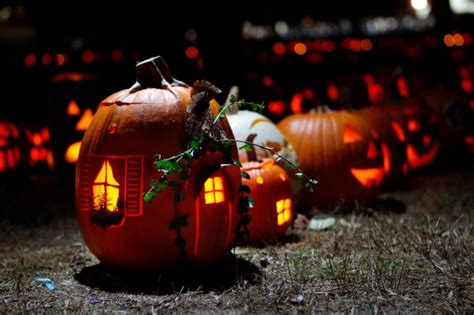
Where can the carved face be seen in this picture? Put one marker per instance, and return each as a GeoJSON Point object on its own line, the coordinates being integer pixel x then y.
{"type": "Point", "coordinates": [9, 150]}
{"type": "Point", "coordinates": [417, 128]}
{"type": "Point", "coordinates": [84, 118]}
{"type": "Point", "coordinates": [40, 152]}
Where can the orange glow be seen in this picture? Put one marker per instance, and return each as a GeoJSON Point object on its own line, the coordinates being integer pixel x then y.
{"type": "Point", "coordinates": [3, 142]}
{"type": "Point", "coordinates": [386, 158]}
{"type": "Point", "coordinates": [413, 125]}
{"type": "Point", "coordinates": [116, 55]}
{"type": "Point", "coordinates": [36, 139]}
{"type": "Point", "coordinates": [366, 44]}
{"type": "Point", "coordinates": [398, 130]}
{"type": "Point", "coordinates": [466, 85]}
{"type": "Point", "coordinates": [376, 93]}
{"type": "Point", "coordinates": [458, 40]}
{"type": "Point", "coordinates": [267, 81]}
{"type": "Point", "coordinates": [284, 210]}
{"type": "Point", "coordinates": [470, 143]}
{"type": "Point", "coordinates": [72, 153]}
{"type": "Point", "coordinates": [296, 104]}
{"type": "Point", "coordinates": [276, 107]}
{"type": "Point", "coordinates": [351, 135]}
{"type": "Point", "coordinates": [72, 76]}
{"type": "Point", "coordinates": [427, 140]}
{"type": "Point", "coordinates": [73, 109]}
{"type": "Point", "coordinates": [85, 120]}
{"type": "Point", "coordinates": [11, 158]}
{"type": "Point", "coordinates": [279, 48]}
{"type": "Point", "coordinates": [192, 52]}
{"type": "Point", "coordinates": [3, 165]}
{"type": "Point", "coordinates": [30, 60]}
{"type": "Point", "coordinates": [369, 177]}
{"type": "Point", "coordinates": [372, 152]}
{"type": "Point", "coordinates": [355, 45]}
{"type": "Point", "coordinates": [333, 92]}
{"type": "Point", "coordinates": [259, 180]}
{"type": "Point", "coordinates": [417, 161]}
{"type": "Point", "coordinates": [106, 189]}
{"type": "Point", "coordinates": [214, 190]}
{"type": "Point", "coordinates": [87, 56]}
{"type": "Point", "coordinates": [47, 59]}
{"type": "Point", "coordinates": [61, 59]}
{"type": "Point", "coordinates": [402, 87]}
{"type": "Point", "coordinates": [300, 49]}
{"type": "Point", "coordinates": [448, 40]}
{"type": "Point", "coordinates": [328, 46]}
{"type": "Point", "coordinates": [45, 134]}
{"type": "Point", "coordinates": [282, 177]}
{"type": "Point", "coordinates": [308, 93]}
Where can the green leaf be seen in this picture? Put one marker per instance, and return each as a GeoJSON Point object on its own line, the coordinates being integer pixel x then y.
{"type": "Point", "coordinates": [237, 163]}
{"type": "Point", "coordinates": [246, 147]}
{"type": "Point", "coordinates": [189, 155]}
{"type": "Point", "coordinates": [148, 196]}
{"type": "Point", "coordinates": [233, 99]}
{"type": "Point", "coordinates": [245, 175]}
{"type": "Point", "coordinates": [299, 175]}
{"type": "Point", "coordinates": [245, 189]}
{"type": "Point", "coordinates": [251, 201]}
{"type": "Point", "coordinates": [309, 186]}
{"type": "Point", "coordinates": [195, 143]}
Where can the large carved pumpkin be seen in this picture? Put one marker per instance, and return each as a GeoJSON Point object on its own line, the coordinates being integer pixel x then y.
{"type": "Point", "coordinates": [115, 166]}
{"type": "Point", "coordinates": [340, 150]}
{"type": "Point", "coordinates": [245, 123]}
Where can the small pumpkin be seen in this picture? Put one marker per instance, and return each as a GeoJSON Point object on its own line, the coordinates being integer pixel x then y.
{"type": "Point", "coordinates": [41, 154]}
{"type": "Point", "coordinates": [116, 162]}
{"type": "Point", "coordinates": [271, 189]}
{"type": "Point", "coordinates": [340, 150]}
{"type": "Point", "coordinates": [9, 146]}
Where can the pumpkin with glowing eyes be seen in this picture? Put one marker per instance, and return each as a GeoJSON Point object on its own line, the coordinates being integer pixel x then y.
{"type": "Point", "coordinates": [245, 122]}
{"type": "Point", "coordinates": [116, 165]}
{"type": "Point", "coordinates": [40, 153]}
{"type": "Point", "coordinates": [341, 151]}
{"type": "Point", "coordinates": [9, 146]}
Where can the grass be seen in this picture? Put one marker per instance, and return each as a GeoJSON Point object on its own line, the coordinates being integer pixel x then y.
{"type": "Point", "coordinates": [373, 260]}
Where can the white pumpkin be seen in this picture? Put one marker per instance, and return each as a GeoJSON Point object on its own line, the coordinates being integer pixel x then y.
{"type": "Point", "coordinates": [244, 123]}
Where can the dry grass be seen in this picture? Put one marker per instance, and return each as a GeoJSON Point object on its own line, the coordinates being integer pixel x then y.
{"type": "Point", "coordinates": [421, 260]}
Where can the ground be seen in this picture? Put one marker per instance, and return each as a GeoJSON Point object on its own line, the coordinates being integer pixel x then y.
{"type": "Point", "coordinates": [412, 251]}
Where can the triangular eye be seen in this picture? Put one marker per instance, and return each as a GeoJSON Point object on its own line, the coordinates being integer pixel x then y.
{"type": "Point", "coordinates": [351, 135]}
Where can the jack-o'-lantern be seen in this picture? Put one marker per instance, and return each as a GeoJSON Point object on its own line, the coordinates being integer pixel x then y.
{"type": "Point", "coordinates": [72, 151]}
{"type": "Point", "coordinates": [9, 148]}
{"type": "Point", "coordinates": [40, 153]}
{"type": "Point", "coordinates": [271, 189]}
{"type": "Point", "coordinates": [245, 123]}
{"type": "Point", "coordinates": [116, 164]}
{"type": "Point", "coordinates": [338, 148]}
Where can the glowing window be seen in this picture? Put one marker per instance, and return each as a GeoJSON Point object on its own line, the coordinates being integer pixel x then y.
{"type": "Point", "coordinates": [283, 208]}
{"type": "Point", "coordinates": [214, 190]}
{"type": "Point", "coordinates": [351, 135]}
{"type": "Point", "coordinates": [106, 189]}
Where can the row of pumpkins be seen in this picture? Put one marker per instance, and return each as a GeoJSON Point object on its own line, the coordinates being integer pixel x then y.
{"type": "Point", "coordinates": [349, 153]}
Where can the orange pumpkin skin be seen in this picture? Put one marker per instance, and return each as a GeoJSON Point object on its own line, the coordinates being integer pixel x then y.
{"type": "Point", "coordinates": [128, 130]}
{"type": "Point", "coordinates": [348, 168]}
{"type": "Point", "coordinates": [273, 209]}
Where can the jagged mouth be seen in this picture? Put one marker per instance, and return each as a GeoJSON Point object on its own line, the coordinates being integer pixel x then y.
{"type": "Point", "coordinates": [416, 161]}
{"type": "Point", "coordinates": [369, 177]}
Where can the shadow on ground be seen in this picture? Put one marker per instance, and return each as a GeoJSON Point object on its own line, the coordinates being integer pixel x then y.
{"type": "Point", "coordinates": [219, 277]}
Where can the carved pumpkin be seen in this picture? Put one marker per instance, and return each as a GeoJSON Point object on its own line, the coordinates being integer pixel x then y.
{"type": "Point", "coordinates": [116, 163]}
{"type": "Point", "coordinates": [245, 123]}
{"type": "Point", "coordinates": [271, 189]}
{"type": "Point", "coordinates": [41, 153]}
{"type": "Point", "coordinates": [338, 148]}
{"type": "Point", "coordinates": [9, 149]}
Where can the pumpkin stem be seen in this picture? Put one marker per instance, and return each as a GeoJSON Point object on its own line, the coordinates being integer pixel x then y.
{"type": "Point", "coordinates": [251, 155]}
{"type": "Point", "coordinates": [165, 71]}
{"type": "Point", "coordinates": [233, 108]}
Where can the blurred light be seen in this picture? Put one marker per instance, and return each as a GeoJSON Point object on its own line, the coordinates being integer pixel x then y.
{"type": "Point", "coordinates": [47, 59]}
{"type": "Point", "coordinates": [458, 40]}
{"type": "Point", "coordinates": [328, 46]}
{"type": "Point", "coordinates": [30, 60]}
{"type": "Point", "coordinates": [281, 28]}
{"type": "Point", "coordinates": [461, 6]}
{"type": "Point", "coordinates": [87, 56]}
{"type": "Point", "coordinates": [192, 52]}
{"type": "Point", "coordinates": [279, 48]}
{"type": "Point", "coordinates": [471, 104]}
{"type": "Point", "coordinates": [296, 104]}
{"type": "Point", "coordinates": [276, 107]}
{"type": "Point", "coordinates": [5, 13]}
{"type": "Point", "coordinates": [267, 81]}
{"type": "Point", "coordinates": [61, 59]}
{"type": "Point", "coordinates": [419, 4]}
{"type": "Point", "coordinates": [200, 63]}
{"type": "Point", "coordinates": [402, 86]}
{"type": "Point", "coordinates": [190, 35]}
{"type": "Point", "coordinates": [448, 40]}
{"type": "Point", "coordinates": [467, 38]}
{"type": "Point", "coordinates": [116, 55]}
{"type": "Point", "coordinates": [466, 86]}
{"type": "Point", "coordinates": [333, 92]}
{"type": "Point", "coordinates": [307, 21]}
{"type": "Point", "coordinates": [308, 94]}
{"type": "Point", "coordinates": [355, 45]}
{"type": "Point", "coordinates": [366, 44]}
{"type": "Point", "coordinates": [300, 49]}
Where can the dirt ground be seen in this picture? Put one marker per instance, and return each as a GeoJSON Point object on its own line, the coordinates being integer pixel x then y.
{"type": "Point", "coordinates": [412, 251]}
